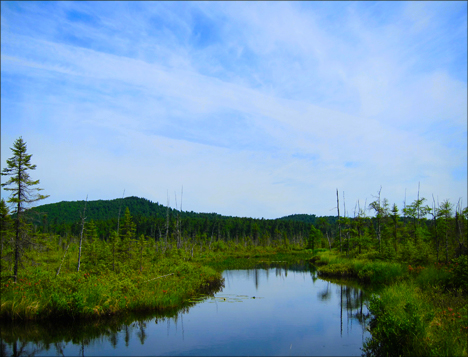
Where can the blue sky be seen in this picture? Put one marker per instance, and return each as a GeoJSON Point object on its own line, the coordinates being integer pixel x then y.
{"type": "Point", "coordinates": [258, 109]}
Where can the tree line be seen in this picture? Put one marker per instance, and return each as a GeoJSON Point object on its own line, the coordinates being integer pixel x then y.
{"type": "Point", "coordinates": [127, 229]}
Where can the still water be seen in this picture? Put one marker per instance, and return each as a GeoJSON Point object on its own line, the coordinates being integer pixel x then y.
{"type": "Point", "coordinates": [275, 311]}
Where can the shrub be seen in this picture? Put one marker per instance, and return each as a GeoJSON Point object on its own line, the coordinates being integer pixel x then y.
{"type": "Point", "coordinates": [460, 273]}
{"type": "Point", "coordinates": [398, 323]}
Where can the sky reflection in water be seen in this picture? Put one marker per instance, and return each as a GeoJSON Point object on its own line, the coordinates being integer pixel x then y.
{"type": "Point", "coordinates": [293, 313]}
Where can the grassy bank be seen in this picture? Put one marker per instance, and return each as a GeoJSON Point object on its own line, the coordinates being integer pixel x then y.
{"type": "Point", "coordinates": [364, 268]}
{"type": "Point", "coordinates": [411, 321]}
{"type": "Point", "coordinates": [40, 294]}
{"type": "Point", "coordinates": [418, 311]}
{"type": "Point", "coordinates": [160, 286]}
{"type": "Point", "coordinates": [263, 256]}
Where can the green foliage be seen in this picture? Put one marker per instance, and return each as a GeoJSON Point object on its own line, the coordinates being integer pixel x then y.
{"type": "Point", "coordinates": [428, 277]}
{"type": "Point", "coordinates": [371, 272]}
{"type": "Point", "coordinates": [314, 237]}
{"type": "Point", "coordinates": [23, 193]}
{"type": "Point", "coordinates": [459, 267]}
{"type": "Point", "coordinates": [377, 272]}
{"type": "Point", "coordinates": [219, 246]}
{"type": "Point", "coordinates": [410, 321]}
{"type": "Point", "coordinates": [398, 324]}
{"type": "Point", "coordinates": [150, 219]}
{"type": "Point", "coordinates": [146, 260]}
{"type": "Point", "coordinates": [42, 294]}
{"type": "Point", "coordinates": [420, 310]}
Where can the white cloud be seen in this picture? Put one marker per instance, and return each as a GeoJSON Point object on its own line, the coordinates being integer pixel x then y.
{"type": "Point", "coordinates": [285, 103]}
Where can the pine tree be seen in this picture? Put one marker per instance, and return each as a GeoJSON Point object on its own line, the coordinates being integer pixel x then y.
{"type": "Point", "coordinates": [22, 191]}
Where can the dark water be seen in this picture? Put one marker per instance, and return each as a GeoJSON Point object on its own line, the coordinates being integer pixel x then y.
{"type": "Point", "coordinates": [279, 311]}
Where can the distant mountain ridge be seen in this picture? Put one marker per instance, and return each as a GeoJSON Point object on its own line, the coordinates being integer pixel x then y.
{"type": "Point", "coordinates": [70, 211]}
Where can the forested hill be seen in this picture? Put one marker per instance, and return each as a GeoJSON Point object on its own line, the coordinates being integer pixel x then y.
{"type": "Point", "coordinates": [151, 219]}
{"type": "Point", "coordinates": [71, 211]}
{"type": "Point", "coordinates": [309, 218]}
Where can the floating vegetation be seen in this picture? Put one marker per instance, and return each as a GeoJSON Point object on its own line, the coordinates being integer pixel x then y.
{"type": "Point", "coordinates": [231, 298]}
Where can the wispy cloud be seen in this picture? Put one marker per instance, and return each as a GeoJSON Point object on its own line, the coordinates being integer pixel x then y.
{"type": "Point", "coordinates": [258, 109]}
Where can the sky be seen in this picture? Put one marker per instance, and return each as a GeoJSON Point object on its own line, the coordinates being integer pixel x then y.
{"type": "Point", "coordinates": [249, 109]}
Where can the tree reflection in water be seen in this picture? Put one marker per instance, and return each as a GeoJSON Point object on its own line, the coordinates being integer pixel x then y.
{"type": "Point", "coordinates": [32, 339]}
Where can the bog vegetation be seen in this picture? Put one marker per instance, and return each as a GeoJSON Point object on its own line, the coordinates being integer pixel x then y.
{"type": "Point", "coordinates": [89, 259]}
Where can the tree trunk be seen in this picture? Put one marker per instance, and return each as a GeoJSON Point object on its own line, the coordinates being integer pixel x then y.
{"type": "Point", "coordinates": [60, 266]}
{"type": "Point", "coordinates": [339, 223]}
{"type": "Point", "coordinates": [83, 219]}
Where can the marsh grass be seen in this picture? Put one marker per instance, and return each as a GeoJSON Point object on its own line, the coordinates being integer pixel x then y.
{"type": "Point", "coordinates": [40, 294]}
{"type": "Point", "coordinates": [92, 294]}
{"type": "Point", "coordinates": [369, 272]}
{"type": "Point", "coordinates": [419, 310]}
{"type": "Point", "coordinates": [411, 321]}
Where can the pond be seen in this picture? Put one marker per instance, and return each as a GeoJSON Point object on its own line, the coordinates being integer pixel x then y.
{"type": "Point", "coordinates": [284, 310]}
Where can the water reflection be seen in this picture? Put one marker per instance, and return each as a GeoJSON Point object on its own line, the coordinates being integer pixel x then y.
{"type": "Point", "coordinates": [282, 310]}
{"type": "Point", "coordinates": [59, 338]}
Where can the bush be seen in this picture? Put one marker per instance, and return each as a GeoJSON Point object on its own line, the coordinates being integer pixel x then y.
{"type": "Point", "coordinates": [460, 273]}
{"type": "Point", "coordinates": [398, 323]}
{"type": "Point", "coordinates": [379, 272]}
{"type": "Point", "coordinates": [431, 276]}
{"type": "Point", "coordinates": [219, 246]}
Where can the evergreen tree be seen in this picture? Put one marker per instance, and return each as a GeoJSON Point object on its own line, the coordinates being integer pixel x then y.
{"type": "Point", "coordinates": [314, 236]}
{"type": "Point", "coordinates": [22, 191]}
{"type": "Point", "coordinates": [127, 236]}
{"type": "Point", "coordinates": [141, 250]}
{"type": "Point", "coordinates": [395, 220]}
{"type": "Point", "coordinates": [5, 231]}
{"type": "Point", "coordinates": [445, 213]}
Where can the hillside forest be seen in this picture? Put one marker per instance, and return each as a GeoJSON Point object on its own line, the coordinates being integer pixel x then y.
{"type": "Point", "coordinates": [417, 234]}
{"type": "Point", "coordinates": [136, 229]}
{"type": "Point", "coordinates": [87, 259]}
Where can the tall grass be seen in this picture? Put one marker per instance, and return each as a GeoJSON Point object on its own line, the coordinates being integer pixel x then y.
{"type": "Point", "coordinates": [165, 283]}
{"type": "Point", "coordinates": [420, 310]}
{"type": "Point", "coordinates": [410, 321]}
{"type": "Point", "coordinates": [372, 272]}
{"type": "Point", "coordinates": [90, 294]}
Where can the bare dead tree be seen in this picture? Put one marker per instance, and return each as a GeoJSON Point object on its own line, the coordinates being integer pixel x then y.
{"type": "Point", "coordinates": [83, 219]}
{"type": "Point", "coordinates": [60, 266]}
{"type": "Point", "coordinates": [404, 207]}
{"type": "Point", "coordinates": [347, 230]}
{"type": "Point", "coordinates": [118, 217]}
{"type": "Point", "coordinates": [339, 222]}
{"type": "Point", "coordinates": [181, 199]}
{"type": "Point", "coordinates": [436, 231]}
{"type": "Point", "coordinates": [167, 222]}
{"type": "Point", "coordinates": [377, 207]}
{"type": "Point", "coordinates": [459, 228]}
{"type": "Point", "coordinates": [212, 232]}
{"type": "Point", "coordinates": [177, 223]}
{"type": "Point", "coordinates": [419, 206]}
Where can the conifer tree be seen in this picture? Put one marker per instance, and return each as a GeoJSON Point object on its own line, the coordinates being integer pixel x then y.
{"type": "Point", "coordinates": [127, 236]}
{"type": "Point", "coordinates": [22, 191]}
{"type": "Point", "coordinates": [445, 212]}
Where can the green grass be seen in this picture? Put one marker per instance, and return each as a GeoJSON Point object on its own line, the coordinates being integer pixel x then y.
{"type": "Point", "coordinates": [92, 294]}
{"type": "Point", "coordinates": [419, 310]}
{"type": "Point", "coordinates": [411, 321]}
{"type": "Point", "coordinates": [370, 272]}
